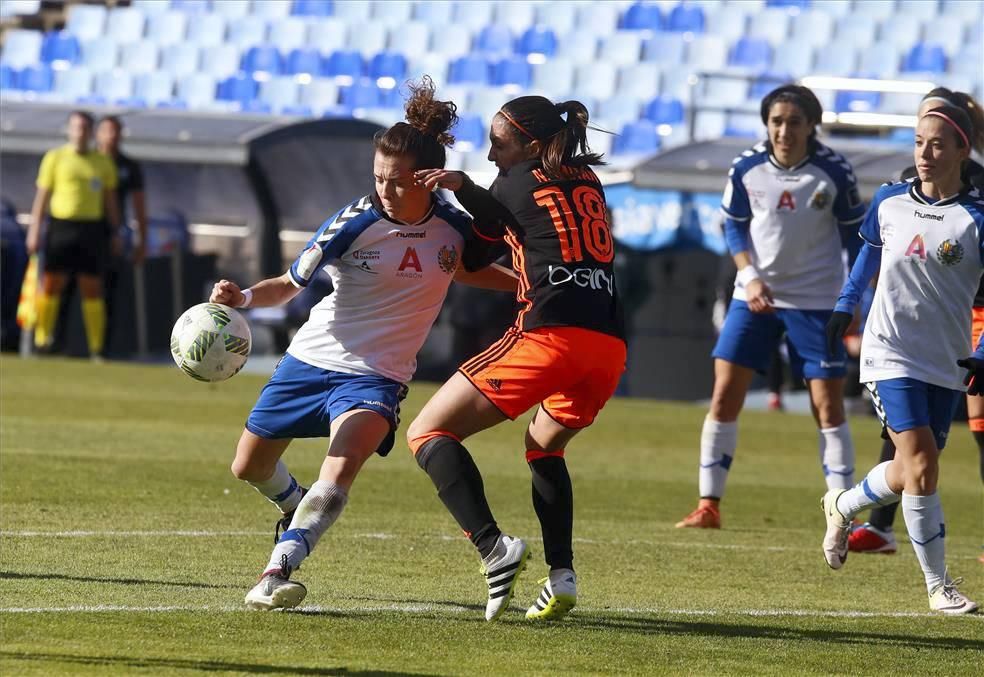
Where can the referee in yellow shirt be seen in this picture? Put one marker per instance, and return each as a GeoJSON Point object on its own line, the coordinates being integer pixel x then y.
{"type": "Point", "coordinates": [77, 186]}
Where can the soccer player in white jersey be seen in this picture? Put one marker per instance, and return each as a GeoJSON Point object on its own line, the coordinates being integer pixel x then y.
{"type": "Point", "coordinates": [391, 256]}
{"type": "Point", "coordinates": [791, 206]}
{"type": "Point", "coordinates": [925, 240]}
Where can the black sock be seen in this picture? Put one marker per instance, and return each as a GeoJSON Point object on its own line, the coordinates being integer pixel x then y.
{"type": "Point", "coordinates": [459, 484]}
{"type": "Point", "coordinates": [979, 438]}
{"type": "Point", "coordinates": [883, 516]}
{"type": "Point", "coordinates": [553, 500]}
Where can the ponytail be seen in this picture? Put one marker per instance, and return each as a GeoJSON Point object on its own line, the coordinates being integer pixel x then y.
{"type": "Point", "coordinates": [424, 135]}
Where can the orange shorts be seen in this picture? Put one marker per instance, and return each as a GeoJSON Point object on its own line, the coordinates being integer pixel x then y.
{"type": "Point", "coordinates": [571, 372]}
{"type": "Point", "coordinates": [977, 326]}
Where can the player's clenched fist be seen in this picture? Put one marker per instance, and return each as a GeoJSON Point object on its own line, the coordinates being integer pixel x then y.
{"type": "Point", "coordinates": [226, 293]}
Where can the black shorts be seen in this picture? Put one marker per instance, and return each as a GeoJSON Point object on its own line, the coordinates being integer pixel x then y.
{"type": "Point", "coordinates": [77, 247]}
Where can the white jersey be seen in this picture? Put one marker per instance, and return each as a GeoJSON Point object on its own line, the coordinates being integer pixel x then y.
{"type": "Point", "coordinates": [931, 264]}
{"type": "Point", "coordinates": [390, 280]}
{"type": "Point", "coordinates": [787, 220]}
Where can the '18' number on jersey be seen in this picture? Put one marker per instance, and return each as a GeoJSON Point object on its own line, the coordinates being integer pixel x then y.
{"type": "Point", "coordinates": [589, 222]}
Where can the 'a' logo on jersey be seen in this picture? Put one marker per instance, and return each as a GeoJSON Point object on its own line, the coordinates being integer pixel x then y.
{"type": "Point", "coordinates": [410, 260]}
{"type": "Point", "coordinates": [786, 201]}
{"type": "Point", "coordinates": [917, 248]}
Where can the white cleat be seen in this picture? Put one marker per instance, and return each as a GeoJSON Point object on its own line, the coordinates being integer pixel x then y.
{"type": "Point", "coordinates": [838, 530]}
{"type": "Point", "coordinates": [275, 592]}
{"type": "Point", "coordinates": [502, 568]}
{"type": "Point", "coordinates": [558, 597]}
{"type": "Point", "coordinates": [950, 601]}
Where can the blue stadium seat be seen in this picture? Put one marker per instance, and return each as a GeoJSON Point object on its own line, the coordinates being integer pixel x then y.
{"type": "Point", "coordinates": [113, 85]}
{"type": "Point", "coordinates": [642, 16]}
{"type": "Point", "coordinates": [515, 72]}
{"type": "Point", "coordinates": [220, 61]}
{"type": "Point", "coordinates": [328, 34]}
{"type": "Point", "coordinates": [360, 94]}
{"type": "Point", "coordinates": [167, 28]}
{"type": "Point", "coordinates": [517, 16]}
{"type": "Point", "coordinates": [471, 68]}
{"type": "Point", "coordinates": [901, 30]}
{"type": "Point", "coordinates": [485, 102]}
{"type": "Point", "coordinates": [231, 9]}
{"type": "Point", "coordinates": [411, 38]}
{"type": "Point", "coordinates": [858, 31]}
{"type": "Point", "coordinates": [494, 42]}
{"type": "Point", "coordinates": [802, 4]}
{"type": "Point", "coordinates": [21, 47]}
{"type": "Point", "coordinates": [392, 13]}
{"type": "Point", "coordinates": [765, 83]}
{"type": "Point", "coordinates": [473, 13]}
{"type": "Point", "coordinates": [139, 57]}
{"type": "Point", "coordinates": [60, 49]}
{"type": "Point", "coordinates": [961, 8]}
{"type": "Point", "coordinates": [262, 59]}
{"type": "Point", "coordinates": [367, 42]}
{"type": "Point", "coordinates": [255, 106]}
{"type": "Point", "coordinates": [151, 7]}
{"type": "Point", "coordinates": [320, 94]}
{"type": "Point", "coordinates": [279, 92]}
{"type": "Point", "coordinates": [197, 90]}
{"type": "Point", "coordinates": [346, 66]}
{"type": "Point", "coordinates": [154, 87]}
{"type": "Point", "coordinates": [429, 63]}
{"type": "Point", "coordinates": [537, 43]}
{"type": "Point", "coordinates": [73, 84]}
{"type": "Point", "coordinates": [126, 24]}
{"type": "Point", "coordinates": [857, 102]}
{"type": "Point", "coordinates": [725, 91]}
{"type": "Point", "coordinates": [743, 125]}
{"type": "Point", "coordinates": [555, 78]}
{"type": "Point", "coordinates": [239, 88]}
{"type": "Point", "coordinates": [771, 25]}
{"type": "Point", "coordinates": [306, 60]}
{"type": "Point", "coordinates": [207, 30]}
{"type": "Point", "coordinates": [354, 13]}
{"type": "Point", "coordinates": [752, 53]}
{"type": "Point", "coordinates": [729, 22]}
{"type": "Point", "coordinates": [469, 133]}
{"type": "Point", "coordinates": [795, 59]}
{"type": "Point", "coordinates": [100, 54]}
{"type": "Point", "coordinates": [8, 76]}
{"type": "Point", "coordinates": [618, 110]}
{"type": "Point", "coordinates": [390, 67]}
{"type": "Point", "coordinates": [578, 47]}
{"type": "Point", "coordinates": [600, 18]}
{"type": "Point", "coordinates": [271, 11]}
{"type": "Point", "coordinates": [664, 111]}
{"type": "Point", "coordinates": [879, 60]}
{"type": "Point", "coordinates": [639, 81]}
{"type": "Point", "coordinates": [130, 102]}
{"type": "Point", "coordinates": [312, 8]}
{"type": "Point", "coordinates": [814, 28]}
{"type": "Point", "coordinates": [708, 52]}
{"type": "Point", "coordinates": [298, 110]}
{"type": "Point", "coordinates": [876, 9]}
{"type": "Point", "coordinates": [621, 48]}
{"type": "Point", "coordinates": [434, 12]}
{"type": "Point", "coordinates": [686, 19]}
{"type": "Point", "coordinates": [667, 49]}
{"type": "Point", "coordinates": [837, 58]}
{"type": "Point", "coordinates": [246, 31]}
{"type": "Point", "coordinates": [452, 41]}
{"type": "Point", "coordinates": [925, 58]}
{"type": "Point", "coordinates": [288, 33]}
{"type": "Point", "coordinates": [636, 138]}
{"type": "Point", "coordinates": [20, 8]}
{"type": "Point", "coordinates": [560, 17]}
{"type": "Point", "coordinates": [596, 80]}
{"type": "Point", "coordinates": [86, 22]}
{"type": "Point", "coordinates": [180, 59]}
{"type": "Point", "coordinates": [192, 6]}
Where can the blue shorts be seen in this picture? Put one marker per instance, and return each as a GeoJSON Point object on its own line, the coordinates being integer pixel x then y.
{"type": "Point", "coordinates": [905, 404]}
{"type": "Point", "coordinates": [748, 339]}
{"type": "Point", "coordinates": [301, 400]}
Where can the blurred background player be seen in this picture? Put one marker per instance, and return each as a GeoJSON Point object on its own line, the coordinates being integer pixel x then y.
{"type": "Point", "coordinates": [877, 535]}
{"type": "Point", "coordinates": [791, 205]}
{"type": "Point", "coordinates": [77, 186]}
{"type": "Point", "coordinates": [565, 352]}
{"type": "Point", "coordinates": [925, 240]}
{"type": "Point", "coordinates": [391, 256]}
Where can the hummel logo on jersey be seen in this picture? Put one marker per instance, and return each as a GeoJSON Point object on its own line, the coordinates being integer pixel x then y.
{"type": "Point", "coordinates": [420, 235]}
{"type": "Point", "coordinates": [921, 215]}
{"type": "Point", "coordinates": [494, 383]}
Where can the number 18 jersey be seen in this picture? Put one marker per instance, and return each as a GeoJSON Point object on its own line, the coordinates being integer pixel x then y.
{"type": "Point", "coordinates": [562, 248]}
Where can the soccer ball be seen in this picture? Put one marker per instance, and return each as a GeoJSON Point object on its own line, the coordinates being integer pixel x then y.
{"type": "Point", "coordinates": [210, 342]}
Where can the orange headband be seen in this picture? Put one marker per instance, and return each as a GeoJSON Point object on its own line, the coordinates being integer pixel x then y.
{"type": "Point", "coordinates": [949, 121]}
{"type": "Point", "coordinates": [515, 124]}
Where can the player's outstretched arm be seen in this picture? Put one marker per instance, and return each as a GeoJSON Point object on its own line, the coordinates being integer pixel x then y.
{"type": "Point", "coordinates": [495, 277]}
{"type": "Point", "coordinates": [274, 291]}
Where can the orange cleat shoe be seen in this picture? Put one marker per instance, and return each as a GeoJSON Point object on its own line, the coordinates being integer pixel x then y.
{"type": "Point", "coordinates": [706, 516]}
{"type": "Point", "coordinates": [869, 539]}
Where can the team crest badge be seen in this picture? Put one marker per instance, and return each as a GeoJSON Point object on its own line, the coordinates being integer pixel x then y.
{"type": "Point", "coordinates": [950, 252]}
{"type": "Point", "coordinates": [447, 258]}
{"type": "Point", "coordinates": [820, 199]}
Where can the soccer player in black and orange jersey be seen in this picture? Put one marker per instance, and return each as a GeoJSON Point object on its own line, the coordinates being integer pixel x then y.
{"type": "Point", "coordinates": [565, 352]}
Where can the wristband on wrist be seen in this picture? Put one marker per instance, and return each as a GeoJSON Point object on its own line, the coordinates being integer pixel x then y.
{"type": "Point", "coordinates": [247, 298]}
{"type": "Point", "coordinates": [747, 274]}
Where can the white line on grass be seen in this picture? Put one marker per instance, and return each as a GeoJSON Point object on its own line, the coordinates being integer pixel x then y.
{"type": "Point", "coordinates": [450, 609]}
{"type": "Point", "coordinates": [433, 537]}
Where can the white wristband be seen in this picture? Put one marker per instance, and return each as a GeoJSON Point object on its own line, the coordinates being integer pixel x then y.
{"type": "Point", "coordinates": [247, 298]}
{"type": "Point", "coordinates": [746, 275]}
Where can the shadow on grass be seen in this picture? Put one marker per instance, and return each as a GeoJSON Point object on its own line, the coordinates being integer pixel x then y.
{"type": "Point", "coordinates": [190, 664]}
{"type": "Point", "coordinates": [14, 575]}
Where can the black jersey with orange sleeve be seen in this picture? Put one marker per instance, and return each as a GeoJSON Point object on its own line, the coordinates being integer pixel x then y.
{"type": "Point", "coordinates": [562, 246]}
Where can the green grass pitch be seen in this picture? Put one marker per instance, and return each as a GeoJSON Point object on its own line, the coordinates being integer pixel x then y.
{"type": "Point", "coordinates": [126, 547]}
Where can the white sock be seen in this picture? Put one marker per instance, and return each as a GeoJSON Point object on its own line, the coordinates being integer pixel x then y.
{"type": "Point", "coordinates": [281, 489]}
{"type": "Point", "coordinates": [872, 490]}
{"type": "Point", "coordinates": [837, 456]}
{"type": "Point", "coordinates": [718, 442]}
{"type": "Point", "coordinates": [924, 521]}
{"type": "Point", "coordinates": [317, 511]}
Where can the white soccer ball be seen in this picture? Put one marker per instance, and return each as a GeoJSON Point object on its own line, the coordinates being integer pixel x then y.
{"type": "Point", "coordinates": [210, 342]}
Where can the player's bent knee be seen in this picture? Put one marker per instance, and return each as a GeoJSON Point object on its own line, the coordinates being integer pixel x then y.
{"type": "Point", "coordinates": [420, 439]}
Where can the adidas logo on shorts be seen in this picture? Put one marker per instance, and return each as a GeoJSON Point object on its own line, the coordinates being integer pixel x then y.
{"type": "Point", "coordinates": [494, 383]}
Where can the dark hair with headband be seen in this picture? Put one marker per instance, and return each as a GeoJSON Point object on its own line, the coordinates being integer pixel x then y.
{"type": "Point", "coordinates": [564, 141]}
{"type": "Point", "coordinates": [941, 96]}
{"type": "Point", "coordinates": [958, 122]}
{"type": "Point", "coordinates": [798, 95]}
{"type": "Point", "coordinates": [424, 135]}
